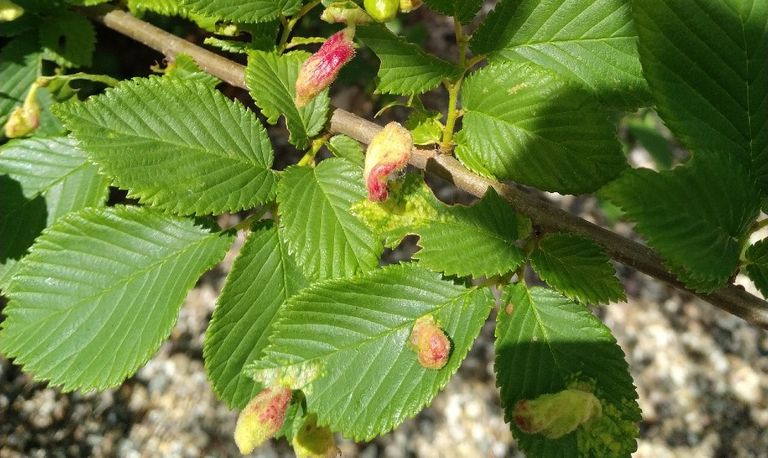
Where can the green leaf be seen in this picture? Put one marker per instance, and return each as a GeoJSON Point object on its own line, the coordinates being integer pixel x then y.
{"type": "Point", "coordinates": [578, 268]}
{"type": "Point", "coordinates": [171, 8]}
{"type": "Point", "coordinates": [21, 221]}
{"type": "Point", "coordinates": [757, 265]}
{"type": "Point", "coordinates": [345, 343]}
{"type": "Point", "coordinates": [86, 2]}
{"type": "Point", "coordinates": [244, 10]}
{"type": "Point", "coordinates": [347, 148]}
{"type": "Point", "coordinates": [56, 168]}
{"type": "Point", "coordinates": [472, 161]}
{"type": "Point", "coordinates": [409, 207]}
{"type": "Point", "coordinates": [592, 43]}
{"type": "Point", "coordinates": [19, 64]}
{"type": "Point", "coordinates": [706, 66]}
{"type": "Point", "coordinates": [548, 344]}
{"type": "Point", "coordinates": [271, 79]}
{"type": "Point", "coordinates": [697, 215]}
{"type": "Point", "coordinates": [405, 69]}
{"type": "Point", "coordinates": [185, 68]}
{"type": "Point", "coordinates": [477, 241]}
{"type": "Point", "coordinates": [19, 25]}
{"type": "Point", "coordinates": [177, 145]}
{"type": "Point", "coordinates": [262, 278]}
{"type": "Point", "coordinates": [233, 46]}
{"type": "Point", "coordinates": [99, 292]}
{"type": "Point", "coordinates": [68, 39]}
{"type": "Point", "coordinates": [46, 178]}
{"type": "Point", "coordinates": [326, 239]}
{"type": "Point", "coordinates": [425, 126]}
{"type": "Point", "coordinates": [50, 126]}
{"type": "Point", "coordinates": [463, 10]}
{"type": "Point", "coordinates": [162, 7]}
{"type": "Point", "coordinates": [263, 36]}
{"type": "Point", "coordinates": [294, 418]}
{"type": "Point", "coordinates": [527, 125]}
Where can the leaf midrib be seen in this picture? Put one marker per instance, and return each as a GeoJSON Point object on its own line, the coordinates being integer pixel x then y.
{"type": "Point", "coordinates": [746, 83]}
{"type": "Point", "coordinates": [471, 225]}
{"type": "Point", "coordinates": [125, 280]}
{"type": "Point", "coordinates": [96, 130]}
{"type": "Point", "coordinates": [344, 229]}
{"type": "Point", "coordinates": [382, 335]}
{"type": "Point", "coordinates": [61, 179]}
{"type": "Point", "coordinates": [513, 126]}
{"type": "Point", "coordinates": [566, 41]}
{"type": "Point", "coordinates": [594, 271]}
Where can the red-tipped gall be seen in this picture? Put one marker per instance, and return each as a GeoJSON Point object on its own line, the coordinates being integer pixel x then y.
{"type": "Point", "coordinates": [387, 153]}
{"type": "Point", "coordinates": [322, 67]}
{"type": "Point", "coordinates": [262, 418]}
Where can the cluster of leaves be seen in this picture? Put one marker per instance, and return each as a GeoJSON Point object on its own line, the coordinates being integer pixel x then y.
{"type": "Point", "coordinates": [94, 289]}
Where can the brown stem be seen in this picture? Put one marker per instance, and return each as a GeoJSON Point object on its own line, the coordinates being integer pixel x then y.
{"type": "Point", "coordinates": [731, 298]}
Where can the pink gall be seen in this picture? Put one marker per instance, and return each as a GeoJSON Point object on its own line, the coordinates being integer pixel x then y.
{"type": "Point", "coordinates": [388, 152]}
{"type": "Point", "coordinates": [431, 343]}
{"type": "Point", "coordinates": [322, 67]}
{"type": "Point", "coordinates": [262, 418]}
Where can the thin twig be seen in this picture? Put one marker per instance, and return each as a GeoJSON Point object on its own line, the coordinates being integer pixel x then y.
{"type": "Point", "coordinates": [731, 298]}
{"type": "Point", "coordinates": [453, 88]}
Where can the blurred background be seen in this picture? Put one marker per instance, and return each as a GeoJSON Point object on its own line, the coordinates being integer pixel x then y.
{"type": "Point", "coordinates": [700, 372]}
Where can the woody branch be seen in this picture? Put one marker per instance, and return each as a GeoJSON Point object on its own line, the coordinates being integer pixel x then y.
{"type": "Point", "coordinates": [731, 298]}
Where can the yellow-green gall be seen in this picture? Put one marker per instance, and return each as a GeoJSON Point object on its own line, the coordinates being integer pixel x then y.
{"type": "Point", "coordinates": [406, 6]}
{"type": "Point", "coordinates": [10, 11]}
{"type": "Point", "coordinates": [382, 10]}
{"type": "Point", "coordinates": [314, 441]}
{"type": "Point", "coordinates": [345, 12]}
{"type": "Point", "coordinates": [25, 119]}
{"type": "Point", "coordinates": [557, 414]}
